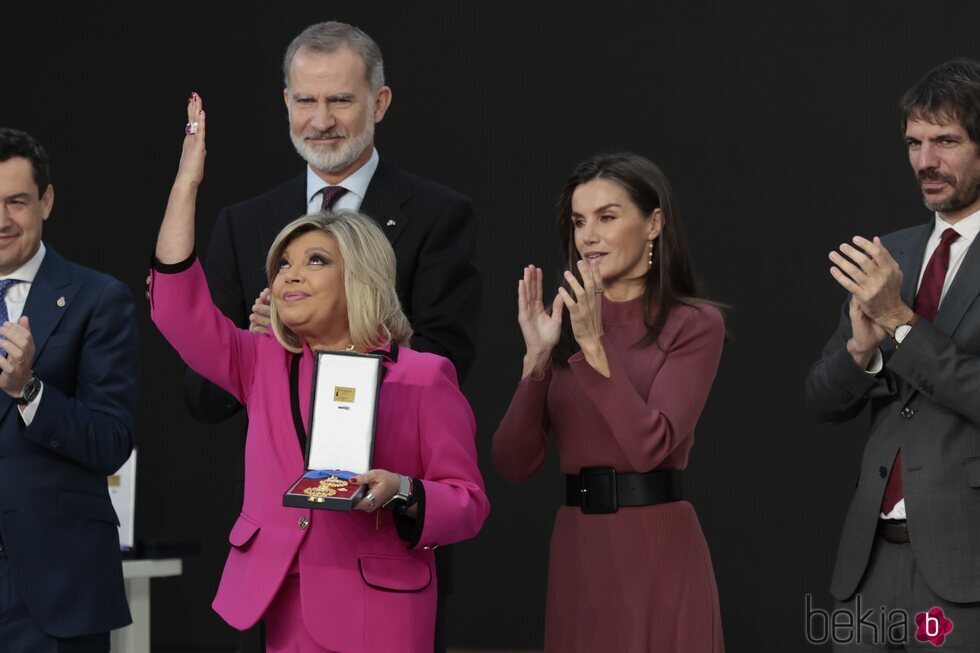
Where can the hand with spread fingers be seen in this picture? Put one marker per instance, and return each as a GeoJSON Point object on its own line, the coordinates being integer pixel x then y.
{"type": "Point", "coordinates": [260, 320]}
{"type": "Point", "coordinates": [16, 365]}
{"type": "Point", "coordinates": [381, 486]}
{"type": "Point", "coordinates": [540, 330]}
{"type": "Point", "coordinates": [585, 314]}
{"type": "Point", "coordinates": [873, 277]}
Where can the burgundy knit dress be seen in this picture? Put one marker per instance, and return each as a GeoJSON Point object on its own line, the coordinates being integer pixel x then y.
{"type": "Point", "coordinates": [639, 579]}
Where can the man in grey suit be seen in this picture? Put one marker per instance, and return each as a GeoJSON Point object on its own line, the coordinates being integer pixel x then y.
{"type": "Point", "coordinates": [908, 344]}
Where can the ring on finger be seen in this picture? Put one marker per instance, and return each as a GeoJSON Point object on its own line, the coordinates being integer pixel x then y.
{"type": "Point", "coordinates": [370, 499]}
{"type": "Point", "coordinates": [190, 128]}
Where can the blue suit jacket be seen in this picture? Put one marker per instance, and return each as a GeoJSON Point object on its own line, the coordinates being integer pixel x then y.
{"type": "Point", "coordinates": [56, 520]}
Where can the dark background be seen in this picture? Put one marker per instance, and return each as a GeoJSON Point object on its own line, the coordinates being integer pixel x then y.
{"type": "Point", "coordinates": [777, 125]}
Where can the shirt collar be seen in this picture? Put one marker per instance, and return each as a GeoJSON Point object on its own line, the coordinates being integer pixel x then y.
{"type": "Point", "coordinates": [28, 270]}
{"type": "Point", "coordinates": [967, 228]}
{"type": "Point", "coordinates": [356, 183]}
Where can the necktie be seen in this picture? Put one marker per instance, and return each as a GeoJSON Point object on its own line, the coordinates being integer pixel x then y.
{"type": "Point", "coordinates": [4, 316]}
{"type": "Point", "coordinates": [330, 196]}
{"type": "Point", "coordinates": [926, 306]}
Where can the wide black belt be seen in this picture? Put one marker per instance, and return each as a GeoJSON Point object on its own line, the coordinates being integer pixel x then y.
{"type": "Point", "coordinates": [602, 490]}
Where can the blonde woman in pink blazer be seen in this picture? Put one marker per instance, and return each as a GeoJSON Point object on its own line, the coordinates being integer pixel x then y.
{"type": "Point", "coordinates": [325, 581]}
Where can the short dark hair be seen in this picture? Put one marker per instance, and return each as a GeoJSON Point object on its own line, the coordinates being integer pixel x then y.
{"type": "Point", "coordinates": [950, 91]}
{"type": "Point", "coordinates": [14, 142]}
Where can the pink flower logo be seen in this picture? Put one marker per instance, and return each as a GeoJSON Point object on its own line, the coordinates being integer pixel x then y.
{"type": "Point", "coordinates": [932, 626]}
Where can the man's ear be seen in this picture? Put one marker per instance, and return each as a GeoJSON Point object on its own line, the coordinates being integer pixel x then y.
{"type": "Point", "coordinates": [381, 103]}
{"type": "Point", "coordinates": [47, 202]}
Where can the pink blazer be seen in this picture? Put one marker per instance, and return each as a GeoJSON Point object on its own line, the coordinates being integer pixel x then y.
{"type": "Point", "coordinates": [362, 589]}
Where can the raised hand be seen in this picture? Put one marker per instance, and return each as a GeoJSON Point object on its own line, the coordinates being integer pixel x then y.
{"type": "Point", "coordinates": [175, 242]}
{"type": "Point", "coordinates": [540, 330]}
{"type": "Point", "coordinates": [585, 314]}
{"type": "Point", "coordinates": [191, 168]}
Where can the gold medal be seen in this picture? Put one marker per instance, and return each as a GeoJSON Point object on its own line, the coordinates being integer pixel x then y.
{"type": "Point", "coordinates": [327, 488]}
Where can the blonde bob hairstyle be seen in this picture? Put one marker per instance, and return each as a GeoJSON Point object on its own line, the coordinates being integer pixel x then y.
{"type": "Point", "coordinates": [374, 314]}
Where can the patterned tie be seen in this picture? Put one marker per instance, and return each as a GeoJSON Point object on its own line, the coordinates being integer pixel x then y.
{"type": "Point", "coordinates": [330, 196]}
{"type": "Point", "coordinates": [926, 306]}
{"type": "Point", "coordinates": [4, 316]}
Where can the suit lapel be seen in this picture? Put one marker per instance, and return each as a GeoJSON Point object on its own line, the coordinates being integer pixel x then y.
{"type": "Point", "coordinates": [961, 294]}
{"type": "Point", "coordinates": [288, 204]}
{"type": "Point", "coordinates": [909, 254]}
{"type": "Point", "coordinates": [909, 257]}
{"type": "Point", "coordinates": [385, 196]}
{"type": "Point", "coordinates": [50, 298]}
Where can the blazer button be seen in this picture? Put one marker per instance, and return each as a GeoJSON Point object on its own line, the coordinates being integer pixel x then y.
{"type": "Point", "coordinates": [907, 413]}
{"type": "Point", "coordinates": [303, 522]}
{"type": "Point", "coordinates": [883, 472]}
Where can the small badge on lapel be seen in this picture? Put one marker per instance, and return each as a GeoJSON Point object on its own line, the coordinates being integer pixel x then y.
{"type": "Point", "coordinates": [61, 302]}
{"type": "Point", "coordinates": [390, 223]}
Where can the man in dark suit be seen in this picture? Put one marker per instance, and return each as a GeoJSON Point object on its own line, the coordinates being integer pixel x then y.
{"type": "Point", "coordinates": [68, 375]}
{"type": "Point", "coordinates": [335, 94]}
{"type": "Point", "coordinates": [908, 344]}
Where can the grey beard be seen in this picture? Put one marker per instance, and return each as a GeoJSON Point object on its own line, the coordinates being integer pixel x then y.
{"type": "Point", "coordinates": [336, 160]}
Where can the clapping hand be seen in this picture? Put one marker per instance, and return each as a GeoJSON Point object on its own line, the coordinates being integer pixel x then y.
{"type": "Point", "coordinates": [540, 330]}
{"type": "Point", "coordinates": [868, 271]}
{"type": "Point", "coordinates": [585, 314]}
{"type": "Point", "coordinates": [585, 309]}
{"type": "Point", "coordinates": [16, 339]}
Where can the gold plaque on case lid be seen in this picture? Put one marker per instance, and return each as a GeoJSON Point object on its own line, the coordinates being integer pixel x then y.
{"type": "Point", "coordinates": [341, 393]}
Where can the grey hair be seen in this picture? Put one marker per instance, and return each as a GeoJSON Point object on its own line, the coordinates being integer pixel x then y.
{"type": "Point", "coordinates": [374, 313]}
{"type": "Point", "coordinates": [327, 38]}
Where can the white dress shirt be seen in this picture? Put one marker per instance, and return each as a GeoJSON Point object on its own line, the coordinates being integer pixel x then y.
{"type": "Point", "coordinates": [967, 228]}
{"type": "Point", "coordinates": [355, 183]}
{"type": "Point", "coordinates": [15, 299]}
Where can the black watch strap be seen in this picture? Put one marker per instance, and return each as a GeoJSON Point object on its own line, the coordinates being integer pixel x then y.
{"type": "Point", "coordinates": [31, 389]}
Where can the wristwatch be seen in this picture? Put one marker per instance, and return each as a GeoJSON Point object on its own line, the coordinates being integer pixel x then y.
{"type": "Point", "coordinates": [902, 330]}
{"type": "Point", "coordinates": [31, 389]}
{"type": "Point", "coordinates": [404, 498]}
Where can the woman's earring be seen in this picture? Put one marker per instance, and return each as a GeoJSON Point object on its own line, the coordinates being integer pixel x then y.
{"type": "Point", "coordinates": [651, 254]}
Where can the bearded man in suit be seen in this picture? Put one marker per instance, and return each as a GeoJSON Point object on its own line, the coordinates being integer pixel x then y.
{"type": "Point", "coordinates": [908, 345]}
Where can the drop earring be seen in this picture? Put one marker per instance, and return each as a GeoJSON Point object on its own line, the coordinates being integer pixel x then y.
{"type": "Point", "coordinates": [651, 255]}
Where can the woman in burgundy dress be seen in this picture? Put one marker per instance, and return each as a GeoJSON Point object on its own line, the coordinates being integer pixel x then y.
{"type": "Point", "coordinates": [621, 380]}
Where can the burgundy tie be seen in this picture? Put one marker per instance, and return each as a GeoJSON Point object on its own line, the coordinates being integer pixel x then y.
{"type": "Point", "coordinates": [330, 196]}
{"type": "Point", "coordinates": [926, 306]}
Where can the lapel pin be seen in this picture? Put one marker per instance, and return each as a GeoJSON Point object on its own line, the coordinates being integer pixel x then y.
{"type": "Point", "coordinates": [61, 302]}
{"type": "Point", "coordinates": [391, 223]}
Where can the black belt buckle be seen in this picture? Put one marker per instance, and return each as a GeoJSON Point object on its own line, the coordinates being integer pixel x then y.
{"type": "Point", "coordinates": [599, 490]}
